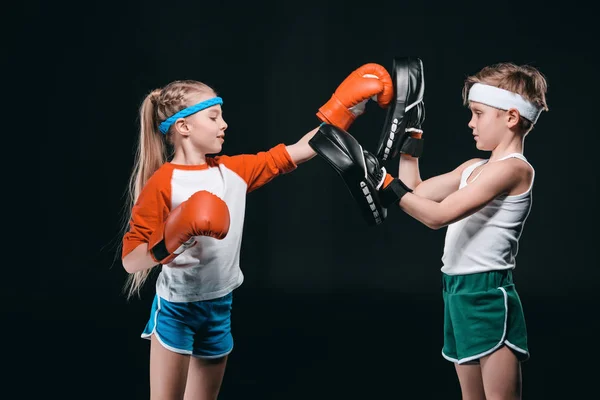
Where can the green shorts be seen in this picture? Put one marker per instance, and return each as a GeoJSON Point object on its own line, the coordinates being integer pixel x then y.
{"type": "Point", "coordinates": [482, 312]}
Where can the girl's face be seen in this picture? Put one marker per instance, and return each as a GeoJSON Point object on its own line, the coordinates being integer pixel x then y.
{"type": "Point", "coordinates": [207, 127]}
{"type": "Point", "coordinates": [488, 125]}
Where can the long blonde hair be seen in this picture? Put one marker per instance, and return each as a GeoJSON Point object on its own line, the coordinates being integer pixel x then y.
{"type": "Point", "coordinates": [154, 149]}
{"type": "Point", "coordinates": [521, 79]}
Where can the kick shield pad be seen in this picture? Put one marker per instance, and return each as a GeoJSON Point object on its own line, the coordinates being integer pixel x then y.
{"type": "Point", "coordinates": [343, 152]}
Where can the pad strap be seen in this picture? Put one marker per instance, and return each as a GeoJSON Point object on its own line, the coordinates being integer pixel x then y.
{"type": "Point", "coordinates": [412, 146]}
{"type": "Point", "coordinates": [393, 192]}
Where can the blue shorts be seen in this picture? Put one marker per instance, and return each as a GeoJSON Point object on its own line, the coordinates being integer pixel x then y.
{"type": "Point", "coordinates": [200, 328]}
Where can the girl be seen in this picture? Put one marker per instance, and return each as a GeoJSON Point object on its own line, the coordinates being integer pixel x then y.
{"type": "Point", "coordinates": [187, 215]}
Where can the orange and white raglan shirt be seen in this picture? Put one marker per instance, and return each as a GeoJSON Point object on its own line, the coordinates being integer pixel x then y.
{"type": "Point", "coordinates": [211, 268]}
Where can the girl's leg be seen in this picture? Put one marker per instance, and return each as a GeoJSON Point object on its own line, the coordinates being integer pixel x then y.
{"type": "Point", "coordinates": [471, 382]}
{"type": "Point", "coordinates": [168, 372]}
{"type": "Point", "coordinates": [204, 378]}
{"type": "Point", "coordinates": [501, 372]}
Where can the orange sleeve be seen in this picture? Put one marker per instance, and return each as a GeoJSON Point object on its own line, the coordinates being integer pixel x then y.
{"type": "Point", "coordinates": [258, 169]}
{"type": "Point", "coordinates": [149, 213]}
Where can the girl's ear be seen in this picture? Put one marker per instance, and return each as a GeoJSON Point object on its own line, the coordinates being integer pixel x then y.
{"type": "Point", "coordinates": [181, 127]}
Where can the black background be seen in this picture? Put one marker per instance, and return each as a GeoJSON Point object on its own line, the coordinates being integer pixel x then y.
{"type": "Point", "coordinates": [330, 308]}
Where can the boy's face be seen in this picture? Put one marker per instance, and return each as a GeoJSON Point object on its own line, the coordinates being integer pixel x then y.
{"type": "Point", "coordinates": [488, 125]}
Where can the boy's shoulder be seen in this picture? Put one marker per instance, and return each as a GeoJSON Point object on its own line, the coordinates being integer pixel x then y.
{"type": "Point", "coordinates": [467, 164]}
{"type": "Point", "coordinates": [510, 172]}
{"type": "Point", "coordinates": [519, 167]}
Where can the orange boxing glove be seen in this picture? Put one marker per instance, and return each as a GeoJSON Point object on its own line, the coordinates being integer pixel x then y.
{"type": "Point", "coordinates": [203, 214]}
{"type": "Point", "coordinates": [349, 99]}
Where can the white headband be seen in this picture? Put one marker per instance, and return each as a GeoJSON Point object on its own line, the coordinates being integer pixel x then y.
{"type": "Point", "coordinates": [504, 100]}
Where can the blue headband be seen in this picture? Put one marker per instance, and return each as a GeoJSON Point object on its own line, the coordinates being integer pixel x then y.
{"type": "Point", "coordinates": [166, 124]}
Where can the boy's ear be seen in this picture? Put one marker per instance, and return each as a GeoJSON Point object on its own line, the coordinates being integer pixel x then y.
{"type": "Point", "coordinates": [512, 117]}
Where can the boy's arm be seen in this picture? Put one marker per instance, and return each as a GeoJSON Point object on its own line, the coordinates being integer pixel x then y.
{"type": "Point", "coordinates": [496, 179]}
{"type": "Point", "coordinates": [436, 188]}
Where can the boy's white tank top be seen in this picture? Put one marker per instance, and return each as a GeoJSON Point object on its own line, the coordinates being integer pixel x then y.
{"type": "Point", "coordinates": [487, 240]}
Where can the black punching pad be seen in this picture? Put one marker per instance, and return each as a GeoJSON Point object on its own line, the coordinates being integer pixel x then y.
{"type": "Point", "coordinates": [361, 176]}
{"type": "Point", "coordinates": [409, 85]}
